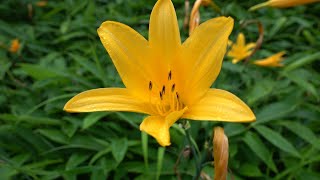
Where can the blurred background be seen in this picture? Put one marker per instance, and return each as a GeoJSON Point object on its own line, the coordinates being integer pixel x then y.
{"type": "Point", "coordinates": [50, 51]}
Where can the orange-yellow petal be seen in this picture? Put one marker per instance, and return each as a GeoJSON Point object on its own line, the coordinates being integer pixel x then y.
{"type": "Point", "coordinates": [106, 99]}
{"type": "Point", "coordinates": [291, 3]}
{"type": "Point", "coordinates": [220, 105]}
{"type": "Point", "coordinates": [282, 3]}
{"type": "Point", "coordinates": [174, 116]}
{"type": "Point", "coordinates": [128, 51]}
{"type": "Point", "coordinates": [250, 46]}
{"type": "Point", "coordinates": [241, 41]}
{"type": "Point", "coordinates": [164, 36]}
{"type": "Point", "coordinates": [202, 58]}
{"type": "Point", "coordinates": [157, 127]}
{"type": "Point", "coordinates": [271, 61]}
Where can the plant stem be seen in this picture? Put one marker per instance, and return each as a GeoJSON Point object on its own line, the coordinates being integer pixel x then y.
{"type": "Point", "coordinates": [195, 155]}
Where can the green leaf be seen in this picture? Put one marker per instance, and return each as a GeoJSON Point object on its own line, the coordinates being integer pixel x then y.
{"type": "Point", "coordinates": [274, 111]}
{"type": "Point", "coordinates": [69, 129]}
{"type": "Point", "coordinates": [92, 118]}
{"type": "Point", "coordinates": [119, 148]}
{"type": "Point", "coordinates": [277, 26]}
{"type": "Point", "coordinates": [76, 159]}
{"type": "Point", "coordinates": [55, 135]}
{"type": "Point", "coordinates": [88, 142]}
{"type": "Point", "coordinates": [258, 147]}
{"type": "Point", "coordinates": [106, 166]}
{"type": "Point", "coordinates": [134, 166]}
{"type": "Point", "coordinates": [42, 164]}
{"type": "Point", "coordinates": [20, 159]}
{"type": "Point", "coordinates": [98, 175]}
{"type": "Point", "coordinates": [250, 170]}
{"type": "Point", "coordinates": [99, 154]}
{"type": "Point", "coordinates": [33, 120]}
{"type": "Point", "coordinates": [7, 172]}
{"type": "Point", "coordinates": [70, 36]}
{"type": "Point", "coordinates": [34, 139]}
{"type": "Point", "coordinates": [302, 131]}
{"type": "Point", "coordinates": [88, 65]}
{"type": "Point", "coordinates": [233, 129]}
{"type": "Point", "coordinates": [82, 170]}
{"type": "Point", "coordinates": [38, 72]}
{"type": "Point", "coordinates": [4, 67]}
{"type": "Point", "coordinates": [302, 78]}
{"type": "Point", "coordinates": [307, 174]}
{"type": "Point", "coordinates": [277, 139]}
{"type": "Point", "coordinates": [260, 90]}
{"type": "Point", "coordinates": [303, 61]}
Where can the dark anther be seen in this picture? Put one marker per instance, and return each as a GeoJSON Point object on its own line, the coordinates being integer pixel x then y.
{"type": "Point", "coordinates": [163, 91]}
{"type": "Point", "coordinates": [173, 87]}
{"type": "Point", "coordinates": [150, 85]}
{"type": "Point", "coordinates": [160, 95]}
{"type": "Point", "coordinates": [169, 77]}
{"type": "Point", "coordinates": [177, 95]}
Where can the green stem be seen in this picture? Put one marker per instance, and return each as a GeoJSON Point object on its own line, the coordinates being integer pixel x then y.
{"type": "Point", "coordinates": [195, 155]}
{"type": "Point", "coordinates": [258, 6]}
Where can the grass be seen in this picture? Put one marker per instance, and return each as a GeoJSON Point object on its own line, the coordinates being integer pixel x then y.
{"type": "Point", "coordinates": [61, 55]}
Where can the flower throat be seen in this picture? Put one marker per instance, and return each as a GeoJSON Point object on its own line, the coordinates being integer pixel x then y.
{"type": "Point", "coordinates": [165, 99]}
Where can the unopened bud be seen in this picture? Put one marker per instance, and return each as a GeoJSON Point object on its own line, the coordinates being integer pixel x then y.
{"type": "Point", "coordinates": [220, 154]}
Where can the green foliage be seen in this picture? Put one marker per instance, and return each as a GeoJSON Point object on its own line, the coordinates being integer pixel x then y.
{"type": "Point", "coordinates": [61, 55]}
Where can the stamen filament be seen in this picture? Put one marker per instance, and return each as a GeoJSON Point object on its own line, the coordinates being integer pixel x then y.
{"type": "Point", "coordinates": [164, 103]}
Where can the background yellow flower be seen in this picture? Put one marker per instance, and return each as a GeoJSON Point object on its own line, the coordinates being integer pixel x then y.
{"type": "Point", "coordinates": [240, 50]}
{"type": "Point", "coordinates": [272, 61]}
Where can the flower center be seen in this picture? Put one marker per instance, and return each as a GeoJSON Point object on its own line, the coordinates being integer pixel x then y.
{"type": "Point", "coordinates": [165, 99]}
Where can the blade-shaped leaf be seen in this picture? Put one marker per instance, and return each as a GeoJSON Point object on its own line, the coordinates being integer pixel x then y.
{"type": "Point", "coordinates": [257, 146]}
{"type": "Point", "coordinates": [92, 118]}
{"type": "Point", "coordinates": [119, 148]}
{"type": "Point", "coordinates": [302, 131]}
{"type": "Point", "coordinates": [277, 139]}
{"type": "Point", "coordinates": [274, 111]}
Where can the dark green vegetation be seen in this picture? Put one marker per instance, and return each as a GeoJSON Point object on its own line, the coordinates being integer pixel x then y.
{"type": "Point", "coordinates": [61, 55]}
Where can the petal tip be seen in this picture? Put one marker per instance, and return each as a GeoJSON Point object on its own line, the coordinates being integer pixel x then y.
{"type": "Point", "coordinates": [68, 106]}
{"type": "Point", "coordinates": [250, 116]}
{"type": "Point", "coordinates": [155, 127]}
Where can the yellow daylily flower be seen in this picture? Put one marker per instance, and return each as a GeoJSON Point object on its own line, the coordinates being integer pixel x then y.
{"type": "Point", "coordinates": [165, 79]}
{"type": "Point", "coordinates": [15, 45]}
{"type": "Point", "coordinates": [282, 3]}
{"type": "Point", "coordinates": [240, 50]}
{"type": "Point", "coordinates": [272, 61]}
